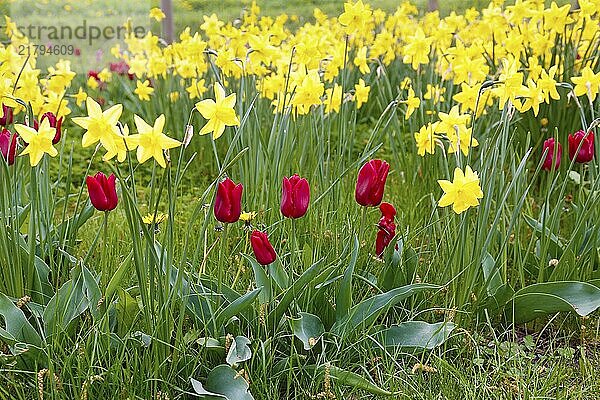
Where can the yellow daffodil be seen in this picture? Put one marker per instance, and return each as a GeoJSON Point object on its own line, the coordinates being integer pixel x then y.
{"type": "Point", "coordinates": [144, 90]}
{"type": "Point", "coordinates": [412, 103]}
{"type": "Point", "coordinates": [426, 139]}
{"type": "Point", "coordinates": [157, 14]}
{"type": "Point", "coordinates": [101, 126]}
{"type": "Point", "coordinates": [219, 112]}
{"type": "Point", "coordinates": [355, 16]}
{"type": "Point", "coordinates": [80, 97]}
{"type": "Point", "coordinates": [361, 93]}
{"type": "Point", "coordinates": [463, 192]}
{"type": "Point", "coordinates": [151, 141]}
{"type": "Point", "coordinates": [39, 142]}
{"type": "Point", "coordinates": [587, 84]}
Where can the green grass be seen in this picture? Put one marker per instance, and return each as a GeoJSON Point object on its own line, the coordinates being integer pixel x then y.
{"type": "Point", "coordinates": [139, 341]}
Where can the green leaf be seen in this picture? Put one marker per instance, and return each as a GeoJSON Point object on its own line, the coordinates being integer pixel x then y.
{"type": "Point", "coordinates": [71, 300]}
{"type": "Point", "coordinates": [365, 313]}
{"type": "Point", "coordinates": [278, 274]}
{"type": "Point", "coordinates": [236, 307]}
{"type": "Point", "coordinates": [16, 326]}
{"type": "Point", "coordinates": [118, 276]}
{"type": "Point", "coordinates": [548, 298]}
{"type": "Point", "coordinates": [223, 382]}
{"type": "Point", "coordinates": [347, 378]}
{"type": "Point", "coordinates": [239, 351]}
{"type": "Point", "coordinates": [416, 335]}
{"type": "Point", "coordinates": [343, 301]}
{"type": "Point", "coordinates": [392, 276]}
{"type": "Point", "coordinates": [261, 280]}
{"type": "Point", "coordinates": [491, 274]}
{"type": "Point", "coordinates": [308, 328]}
{"type": "Point", "coordinates": [295, 290]}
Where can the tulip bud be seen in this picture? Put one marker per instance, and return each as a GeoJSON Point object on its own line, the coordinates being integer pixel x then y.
{"type": "Point", "coordinates": [103, 192]}
{"type": "Point", "coordinates": [295, 196]}
{"type": "Point", "coordinates": [371, 183]}
{"type": "Point", "coordinates": [549, 144]}
{"type": "Point", "coordinates": [228, 203]}
{"type": "Point", "coordinates": [586, 152]}
{"type": "Point", "coordinates": [7, 115]}
{"type": "Point", "coordinates": [55, 123]}
{"type": "Point", "coordinates": [8, 146]}
{"type": "Point", "coordinates": [387, 228]}
{"type": "Point", "coordinates": [263, 250]}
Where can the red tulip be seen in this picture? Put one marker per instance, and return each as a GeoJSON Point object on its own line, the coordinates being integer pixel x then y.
{"type": "Point", "coordinates": [8, 146]}
{"type": "Point", "coordinates": [7, 115]}
{"type": "Point", "coordinates": [387, 228]}
{"type": "Point", "coordinates": [103, 191]}
{"type": "Point", "coordinates": [586, 152]}
{"type": "Point", "coordinates": [54, 123]}
{"type": "Point", "coordinates": [228, 203]}
{"type": "Point", "coordinates": [295, 196]}
{"type": "Point", "coordinates": [263, 250]}
{"type": "Point", "coordinates": [549, 144]}
{"type": "Point", "coordinates": [371, 183]}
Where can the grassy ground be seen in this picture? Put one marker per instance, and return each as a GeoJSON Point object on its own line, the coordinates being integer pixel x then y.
{"type": "Point", "coordinates": [140, 352]}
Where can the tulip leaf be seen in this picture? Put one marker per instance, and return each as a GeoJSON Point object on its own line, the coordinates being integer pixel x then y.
{"type": "Point", "coordinates": [278, 274]}
{"type": "Point", "coordinates": [343, 301]}
{"type": "Point", "coordinates": [491, 274]}
{"type": "Point", "coordinates": [308, 328]}
{"type": "Point", "coordinates": [236, 307]}
{"type": "Point", "coordinates": [223, 383]}
{"type": "Point", "coordinates": [416, 335]}
{"type": "Point", "coordinates": [365, 313]}
{"type": "Point", "coordinates": [348, 378]}
{"type": "Point", "coordinates": [117, 278]}
{"type": "Point", "coordinates": [294, 291]}
{"type": "Point", "coordinates": [548, 298]}
{"type": "Point", "coordinates": [16, 326]}
{"type": "Point", "coordinates": [239, 351]}
{"type": "Point", "coordinates": [74, 297]}
{"type": "Point", "coordinates": [261, 280]}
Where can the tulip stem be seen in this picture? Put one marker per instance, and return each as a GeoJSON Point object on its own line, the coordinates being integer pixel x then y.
{"type": "Point", "coordinates": [105, 275]}
{"type": "Point", "coordinates": [363, 218]}
{"type": "Point", "coordinates": [294, 250]}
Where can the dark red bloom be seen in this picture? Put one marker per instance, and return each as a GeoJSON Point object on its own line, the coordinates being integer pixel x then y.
{"type": "Point", "coordinates": [122, 68]}
{"type": "Point", "coordinates": [7, 115]}
{"type": "Point", "coordinates": [371, 183]}
{"type": "Point", "coordinates": [8, 146]}
{"type": "Point", "coordinates": [549, 144]}
{"type": "Point", "coordinates": [54, 123]}
{"type": "Point", "coordinates": [94, 74]}
{"type": "Point", "coordinates": [586, 152]}
{"type": "Point", "coordinates": [228, 203]}
{"type": "Point", "coordinates": [295, 196]}
{"type": "Point", "coordinates": [103, 191]}
{"type": "Point", "coordinates": [387, 228]}
{"type": "Point", "coordinates": [263, 250]}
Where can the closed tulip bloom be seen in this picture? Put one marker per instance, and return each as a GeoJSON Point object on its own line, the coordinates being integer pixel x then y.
{"type": "Point", "coordinates": [228, 203]}
{"type": "Point", "coordinates": [103, 191]}
{"type": "Point", "coordinates": [295, 196]}
{"type": "Point", "coordinates": [55, 123]}
{"type": "Point", "coordinates": [7, 115]}
{"type": "Point", "coordinates": [371, 183]}
{"type": "Point", "coordinates": [263, 250]}
{"type": "Point", "coordinates": [387, 228]}
{"type": "Point", "coordinates": [586, 152]}
{"type": "Point", "coordinates": [8, 146]}
{"type": "Point", "coordinates": [548, 161]}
